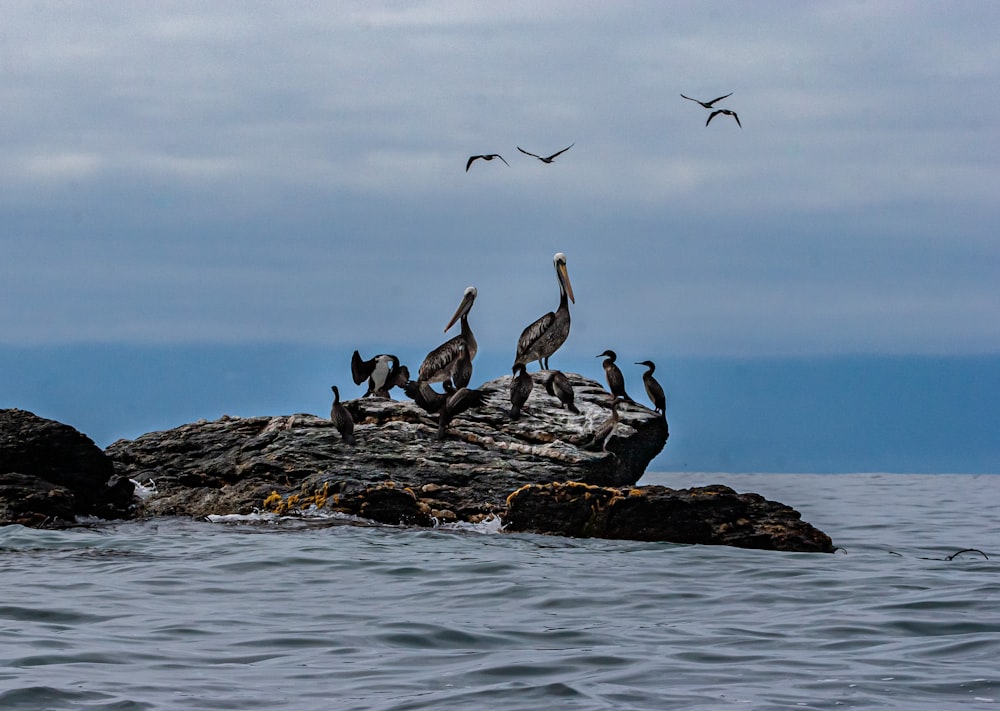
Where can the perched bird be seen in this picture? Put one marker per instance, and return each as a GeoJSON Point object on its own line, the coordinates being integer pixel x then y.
{"type": "Point", "coordinates": [727, 112]}
{"type": "Point", "coordinates": [341, 418]}
{"type": "Point", "coordinates": [440, 364]}
{"type": "Point", "coordinates": [520, 389]}
{"type": "Point", "coordinates": [425, 396]}
{"type": "Point", "coordinates": [558, 386]}
{"type": "Point", "coordinates": [543, 338]}
{"type": "Point", "coordinates": [653, 388]}
{"type": "Point", "coordinates": [616, 381]}
{"type": "Point", "coordinates": [491, 156]}
{"type": "Point", "coordinates": [604, 432]}
{"type": "Point", "coordinates": [457, 403]}
{"type": "Point", "coordinates": [551, 157]}
{"type": "Point", "coordinates": [707, 104]}
{"type": "Point", "coordinates": [398, 379]}
{"type": "Point", "coordinates": [463, 371]}
{"type": "Point", "coordinates": [381, 372]}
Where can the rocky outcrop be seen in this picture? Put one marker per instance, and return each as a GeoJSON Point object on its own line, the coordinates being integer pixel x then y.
{"type": "Point", "coordinates": [707, 515]}
{"type": "Point", "coordinates": [50, 474]}
{"type": "Point", "coordinates": [232, 465]}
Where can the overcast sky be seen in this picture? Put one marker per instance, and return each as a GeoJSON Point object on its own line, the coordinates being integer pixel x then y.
{"type": "Point", "coordinates": [232, 172]}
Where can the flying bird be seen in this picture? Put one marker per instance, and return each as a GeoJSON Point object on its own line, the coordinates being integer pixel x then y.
{"type": "Point", "coordinates": [558, 386]}
{"type": "Point", "coordinates": [341, 417]}
{"type": "Point", "coordinates": [543, 338]}
{"type": "Point", "coordinates": [491, 156]}
{"type": "Point", "coordinates": [727, 112]}
{"type": "Point", "coordinates": [616, 381]}
{"type": "Point", "coordinates": [520, 389]}
{"type": "Point", "coordinates": [653, 388]}
{"type": "Point", "coordinates": [551, 157]}
{"type": "Point", "coordinates": [441, 364]}
{"type": "Point", "coordinates": [707, 104]}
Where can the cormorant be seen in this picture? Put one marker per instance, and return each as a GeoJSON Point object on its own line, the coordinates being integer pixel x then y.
{"type": "Point", "coordinates": [457, 403]}
{"type": "Point", "coordinates": [558, 386]}
{"type": "Point", "coordinates": [653, 388]}
{"type": "Point", "coordinates": [341, 418]}
{"type": "Point", "coordinates": [520, 389]}
{"type": "Point", "coordinates": [616, 381]}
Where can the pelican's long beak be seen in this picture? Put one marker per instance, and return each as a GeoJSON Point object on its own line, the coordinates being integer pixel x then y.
{"type": "Point", "coordinates": [564, 278]}
{"type": "Point", "coordinates": [462, 310]}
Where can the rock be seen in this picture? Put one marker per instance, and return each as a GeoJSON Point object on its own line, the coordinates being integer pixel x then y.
{"type": "Point", "coordinates": [50, 474]}
{"type": "Point", "coordinates": [708, 515]}
{"type": "Point", "coordinates": [232, 465]}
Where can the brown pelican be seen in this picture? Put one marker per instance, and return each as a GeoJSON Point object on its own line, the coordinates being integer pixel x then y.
{"type": "Point", "coordinates": [604, 432]}
{"type": "Point", "coordinates": [707, 104]}
{"type": "Point", "coordinates": [381, 371]}
{"type": "Point", "coordinates": [551, 157]}
{"type": "Point", "coordinates": [457, 403]}
{"type": "Point", "coordinates": [491, 156]}
{"type": "Point", "coordinates": [520, 389]}
{"type": "Point", "coordinates": [727, 112]}
{"type": "Point", "coordinates": [440, 364]}
{"type": "Point", "coordinates": [653, 388]}
{"type": "Point", "coordinates": [543, 338]}
{"type": "Point", "coordinates": [558, 386]}
{"type": "Point", "coordinates": [341, 418]}
{"type": "Point", "coordinates": [616, 381]}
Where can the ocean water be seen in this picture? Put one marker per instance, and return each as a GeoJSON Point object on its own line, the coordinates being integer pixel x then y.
{"type": "Point", "coordinates": [328, 614]}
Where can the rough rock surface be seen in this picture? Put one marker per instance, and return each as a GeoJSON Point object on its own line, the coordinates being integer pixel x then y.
{"type": "Point", "coordinates": [707, 514]}
{"type": "Point", "coordinates": [50, 474]}
{"type": "Point", "coordinates": [232, 465]}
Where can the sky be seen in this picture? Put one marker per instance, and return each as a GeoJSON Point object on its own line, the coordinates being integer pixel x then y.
{"type": "Point", "coordinates": [243, 174]}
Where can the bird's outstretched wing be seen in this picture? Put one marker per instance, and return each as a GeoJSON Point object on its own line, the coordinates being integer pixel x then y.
{"type": "Point", "coordinates": [562, 151]}
{"type": "Point", "coordinates": [528, 154]}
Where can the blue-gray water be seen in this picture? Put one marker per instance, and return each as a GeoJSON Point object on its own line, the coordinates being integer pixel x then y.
{"type": "Point", "coordinates": [178, 614]}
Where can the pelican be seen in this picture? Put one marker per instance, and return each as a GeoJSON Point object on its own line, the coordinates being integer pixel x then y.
{"type": "Point", "coordinates": [441, 363]}
{"type": "Point", "coordinates": [616, 381]}
{"type": "Point", "coordinates": [550, 158]}
{"type": "Point", "coordinates": [653, 388]}
{"type": "Point", "coordinates": [727, 112]}
{"type": "Point", "coordinates": [520, 389]}
{"type": "Point", "coordinates": [543, 338]}
{"type": "Point", "coordinates": [606, 429]}
{"type": "Point", "coordinates": [558, 386]}
{"type": "Point", "coordinates": [457, 403]}
{"type": "Point", "coordinates": [707, 104]}
{"type": "Point", "coordinates": [381, 371]}
{"type": "Point", "coordinates": [491, 156]}
{"type": "Point", "coordinates": [341, 418]}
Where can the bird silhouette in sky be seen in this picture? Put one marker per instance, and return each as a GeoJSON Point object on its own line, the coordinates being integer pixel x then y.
{"type": "Point", "coordinates": [707, 104]}
{"type": "Point", "coordinates": [726, 112]}
{"type": "Point", "coordinates": [491, 156]}
{"type": "Point", "coordinates": [551, 157]}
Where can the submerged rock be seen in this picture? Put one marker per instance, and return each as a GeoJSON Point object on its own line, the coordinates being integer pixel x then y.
{"type": "Point", "coordinates": [50, 474]}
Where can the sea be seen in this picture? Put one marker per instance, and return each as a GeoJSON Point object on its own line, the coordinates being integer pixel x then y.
{"type": "Point", "coordinates": [321, 612]}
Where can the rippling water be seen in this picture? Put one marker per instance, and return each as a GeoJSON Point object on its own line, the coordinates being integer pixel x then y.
{"type": "Point", "coordinates": [177, 614]}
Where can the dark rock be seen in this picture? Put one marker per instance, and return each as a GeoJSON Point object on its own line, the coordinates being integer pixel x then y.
{"type": "Point", "coordinates": [708, 515]}
{"type": "Point", "coordinates": [231, 465]}
{"type": "Point", "coordinates": [50, 473]}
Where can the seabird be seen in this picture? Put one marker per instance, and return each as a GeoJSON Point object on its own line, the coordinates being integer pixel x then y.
{"type": "Point", "coordinates": [604, 432]}
{"type": "Point", "coordinates": [707, 104]}
{"type": "Point", "coordinates": [457, 403]}
{"type": "Point", "coordinates": [520, 389]}
{"type": "Point", "coordinates": [558, 386]}
{"type": "Point", "coordinates": [381, 371]}
{"type": "Point", "coordinates": [551, 157]}
{"type": "Point", "coordinates": [429, 399]}
{"type": "Point", "coordinates": [543, 338]}
{"type": "Point", "coordinates": [727, 112]}
{"type": "Point", "coordinates": [463, 371]}
{"type": "Point", "coordinates": [341, 418]}
{"type": "Point", "coordinates": [616, 381]}
{"type": "Point", "coordinates": [491, 156]}
{"type": "Point", "coordinates": [653, 388]}
{"type": "Point", "coordinates": [441, 363]}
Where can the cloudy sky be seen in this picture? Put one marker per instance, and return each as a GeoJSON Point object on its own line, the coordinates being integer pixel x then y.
{"type": "Point", "coordinates": [294, 173]}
